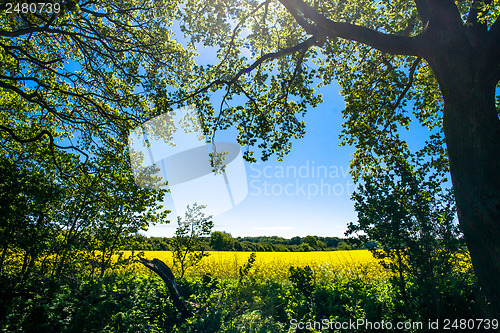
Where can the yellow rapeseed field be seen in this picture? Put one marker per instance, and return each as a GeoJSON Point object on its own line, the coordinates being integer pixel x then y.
{"type": "Point", "coordinates": [359, 263]}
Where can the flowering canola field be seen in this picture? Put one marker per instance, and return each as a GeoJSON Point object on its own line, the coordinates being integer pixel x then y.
{"type": "Point", "coordinates": [325, 264]}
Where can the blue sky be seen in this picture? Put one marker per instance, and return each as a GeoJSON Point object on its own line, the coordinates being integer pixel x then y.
{"type": "Point", "coordinates": [308, 193]}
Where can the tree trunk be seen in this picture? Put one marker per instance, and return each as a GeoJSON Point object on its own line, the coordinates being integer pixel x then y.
{"type": "Point", "coordinates": [472, 131]}
{"type": "Point", "coordinates": [473, 150]}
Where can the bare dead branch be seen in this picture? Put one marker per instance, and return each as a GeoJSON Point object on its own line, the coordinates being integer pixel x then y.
{"type": "Point", "coordinates": [164, 272]}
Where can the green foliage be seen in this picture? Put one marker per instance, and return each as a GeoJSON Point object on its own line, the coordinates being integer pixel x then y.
{"type": "Point", "coordinates": [304, 247]}
{"type": "Point", "coordinates": [387, 57]}
{"type": "Point", "coordinates": [287, 61]}
{"type": "Point", "coordinates": [245, 269]}
{"type": "Point", "coordinates": [343, 246]}
{"type": "Point", "coordinates": [404, 208]}
{"type": "Point", "coordinates": [28, 199]}
{"type": "Point", "coordinates": [116, 303]}
{"type": "Point", "coordinates": [302, 278]}
{"type": "Point", "coordinates": [221, 241]}
{"type": "Point", "coordinates": [57, 224]}
{"type": "Point", "coordinates": [311, 241]}
{"type": "Point", "coordinates": [188, 249]}
{"type": "Point", "coordinates": [140, 303]}
{"type": "Point", "coordinates": [73, 84]}
{"type": "Point", "coordinates": [77, 74]}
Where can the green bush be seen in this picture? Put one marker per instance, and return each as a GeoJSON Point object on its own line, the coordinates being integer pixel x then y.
{"type": "Point", "coordinates": [249, 303]}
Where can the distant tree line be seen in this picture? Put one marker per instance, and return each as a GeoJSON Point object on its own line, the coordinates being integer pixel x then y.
{"type": "Point", "coordinates": [224, 241]}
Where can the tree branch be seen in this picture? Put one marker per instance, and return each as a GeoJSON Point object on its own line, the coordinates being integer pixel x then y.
{"type": "Point", "coordinates": [268, 56]}
{"type": "Point", "coordinates": [474, 11]}
{"type": "Point", "coordinates": [160, 268]}
{"type": "Point", "coordinates": [408, 85]}
{"type": "Point", "coordinates": [303, 47]}
{"type": "Point", "coordinates": [235, 30]}
{"type": "Point", "coordinates": [293, 10]}
{"type": "Point", "coordinates": [274, 55]}
{"type": "Point", "coordinates": [424, 12]}
{"type": "Point", "coordinates": [495, 32]}
{"type": "Point", "coordinates": [383, 42]}
{"type": "Point", "coordinates": [444, 13]}
{"type": "Point", "coordinates": [51, 145]}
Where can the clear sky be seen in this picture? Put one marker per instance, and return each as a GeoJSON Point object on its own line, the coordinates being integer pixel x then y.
{"type": "Point", "coordinates": [306, 194]}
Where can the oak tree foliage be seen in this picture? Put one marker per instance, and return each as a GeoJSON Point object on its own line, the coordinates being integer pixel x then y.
{"type": "Point", "coordinates": [72, 84]}
{"type": "Point", "coordinates": [76, 82]}
{"type": "Point", "coordinates": [399, 64]}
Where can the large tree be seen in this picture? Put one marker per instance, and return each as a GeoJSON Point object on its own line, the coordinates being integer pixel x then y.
{"type": "Point", "coordinates": [99, 68]}
{"type": "Point", "coordinates": [74, 78]}
{"type": "Point", "coordinates": [439, 57]}
{"type": "Point", "coordinates": [82, 74]}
